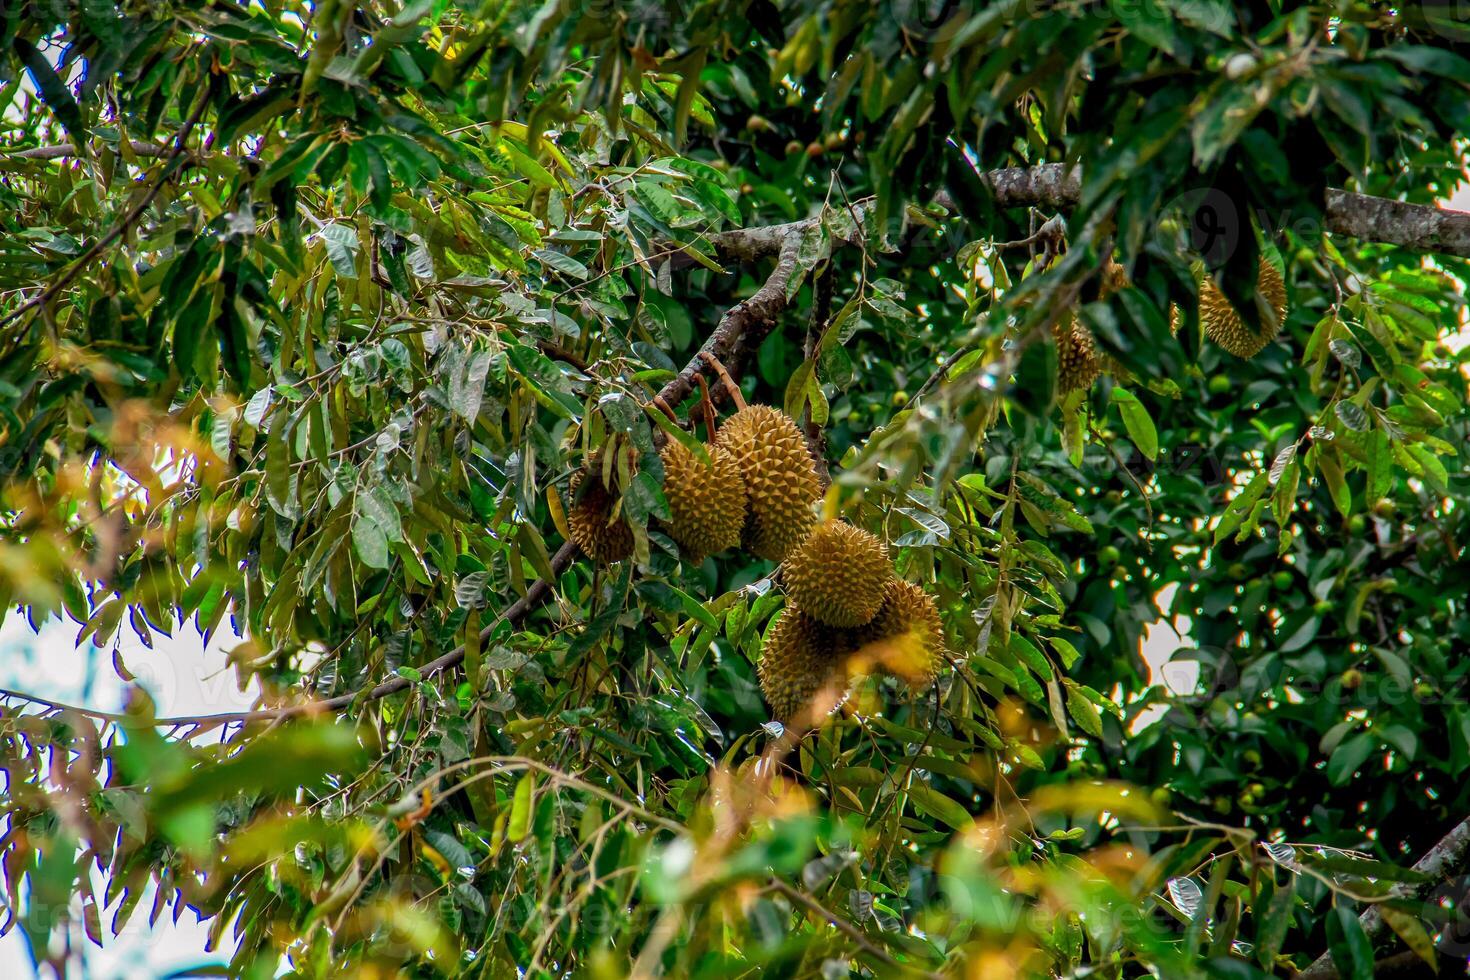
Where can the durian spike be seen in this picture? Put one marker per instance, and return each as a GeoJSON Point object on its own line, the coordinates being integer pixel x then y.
{"type": "Point", "coordinates": [731, 388]}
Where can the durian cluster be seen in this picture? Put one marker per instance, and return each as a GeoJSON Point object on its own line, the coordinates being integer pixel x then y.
{"type": "Point", "coordinates": [753, 488]}
{"type": "Point", "coordinates": [1079, 363]}
{"type": "Point", "coordinates": [847, 612]}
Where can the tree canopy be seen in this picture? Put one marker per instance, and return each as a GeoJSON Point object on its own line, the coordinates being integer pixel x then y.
{"type": "Point", "coordinates": [311, 315]}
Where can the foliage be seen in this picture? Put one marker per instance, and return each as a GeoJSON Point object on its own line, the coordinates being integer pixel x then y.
{"type": "Point", "coordinates": [317, 308]}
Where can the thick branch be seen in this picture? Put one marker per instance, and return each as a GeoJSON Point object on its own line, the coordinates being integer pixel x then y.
{"type": "Point", "coordinates": [1371, 219]}
{"type": "Point", "coordinates": [748, 323]}
{"type": "Point", "coordinates": [1445, 858]}
{"type": "Point", "coordinates": [141, 148]}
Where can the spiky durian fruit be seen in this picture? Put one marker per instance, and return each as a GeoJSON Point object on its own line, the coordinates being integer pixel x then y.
{"type": "Point", "coordinates": [1077, 362]}
{"type": "Point", "coordinates": [603, 537]}
{"type": "Point", "coordinates": [802, 670]}
{"type": "Point", "coordinates": [706, 500]}
{"type": "Point", "coordinates": [1114, 278]}
{"type": "Point", "coordinates": [838, 574]}
{"type": "Point", "coordinates": [906, 637]}
{"type": "Point", "coordinates": [1223, 324]}
{"type": "Point", "coordinates": [780, 478]}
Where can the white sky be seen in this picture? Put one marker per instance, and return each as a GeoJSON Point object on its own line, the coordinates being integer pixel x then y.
{"type": "Point", "coordinates": [183, 678]}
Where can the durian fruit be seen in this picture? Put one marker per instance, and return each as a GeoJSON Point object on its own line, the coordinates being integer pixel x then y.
{"type": "Point", "coordinates": [802, 670]}
{"type": "Point", "coordinates": [780, 479]}
{"type": "Point", "coordinates": [838, 574]}
{"type": "Point", "coordinates": [1223, 324]}
{"type": "Point", "coordinates": [1114, 278]}
{"type": "Point", "coordinates": [706, 500]}
{"type": "Point", "coordinates": [604, 538]}
{"type": "Point", "coordinates": [1078, 364]}
{"type": "Point", "coordinates": [905, 638]}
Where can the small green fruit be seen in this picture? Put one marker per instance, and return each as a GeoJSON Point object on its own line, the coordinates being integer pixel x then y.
{"type": "Point", "coordinates": [1160, 796]}
{"type": "Point", "coordinates": [1282, 580]}
{"type": "Point", "coordinates": [1357, 524]}
{"type": "Point", "coordinates": [1385, 508]}
{"type": "Point", "coordinates": [1423, 691]}
{"type": "Point", "coordinates": [1220, 385]}
{"type": "Point", "coordinates": [1238, 571]}
{"type": "Point", "coordinates": [1352, 679]}
{"type": "Point", "coordinates": [1109, 556]}
{"type": "Point", "coordinates": [900, 399]}
{"type": "Point", "coordinates": [795, 147]}
{"type": "Point", "coordinates": [1322, 607]}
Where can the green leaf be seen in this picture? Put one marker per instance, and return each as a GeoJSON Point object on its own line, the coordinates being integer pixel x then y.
{"type": "Point", "coordinates": [939, 806]}
{"type": "Point", "coordinates": [1138, 422]}
{"type": "Point", "coordinates": [1349, 757]}
{"type": "Point", "coordinates": [54, 90]}
{"type": "Point", "coordinates": [1240, 506]}
{"type": "Point", "coordinates": [1351, 949]}
{"type": "Point", "coordinates": [1084, 712]}
{"type": "Point", "coordinates": [519, 825]}
{"type": "Point", "coordinates": [798, 389]}
{"type": "Point", "coordinates": [1025, 651]}
{"type": "Point", "coordinates": [563, 263]}
{"type": "Point", "coordinates": [696, 610]}
{"type": "Point", "coordinates": [342, 248]}
{"type": "Point", "coordinates": [1412, 932]}
{"type": "Point", "coordinates": [369, 541]}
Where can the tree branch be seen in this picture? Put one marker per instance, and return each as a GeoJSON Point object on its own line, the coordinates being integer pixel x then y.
{"type": "Point", "coordinates": [141, 148]}
{"type": "Point", "coordinates": [1371, 219]}
{"type": "Point", "coordinates": [1444, 858]}
{"type": "Point", "coordinates": [749, 322]}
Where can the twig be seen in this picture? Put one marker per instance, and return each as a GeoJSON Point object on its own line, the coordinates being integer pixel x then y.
{"type": "Point", "coordinates": [731, 388]}
{"type": "Point", "coordinates": [846, 928]}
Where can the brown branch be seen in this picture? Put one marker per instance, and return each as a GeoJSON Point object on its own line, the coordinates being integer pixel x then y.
{"type": "Point", "coordinates": [1419, 227]}
{"type": "Point", "coordinates": [1446, 857]}
{"type": "Point", "coordinates": [141, 148]}
{"type": "Point", "coordinates": [845, 927]}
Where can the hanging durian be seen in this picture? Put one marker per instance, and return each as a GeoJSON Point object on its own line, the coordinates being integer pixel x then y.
{"type": "Point", "coordinates": [802, 669]}
{"type": "Point", "coordinates": [1223, 324]}
{"type": "Point", "coordinates": [1078, 364]}
{"type": "Point", "coordinates": [838, 574]}
{"type": "Point", "coordinates": [780, 479]}
{"type": "Point", "coordinates": [1114, 278]}
{"type": "Point", "coordinates": [706, 500]}
{"type": "Point", "coordinates": [596, 531]}
{"type": "Point", "coordinates": [905, 638]}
